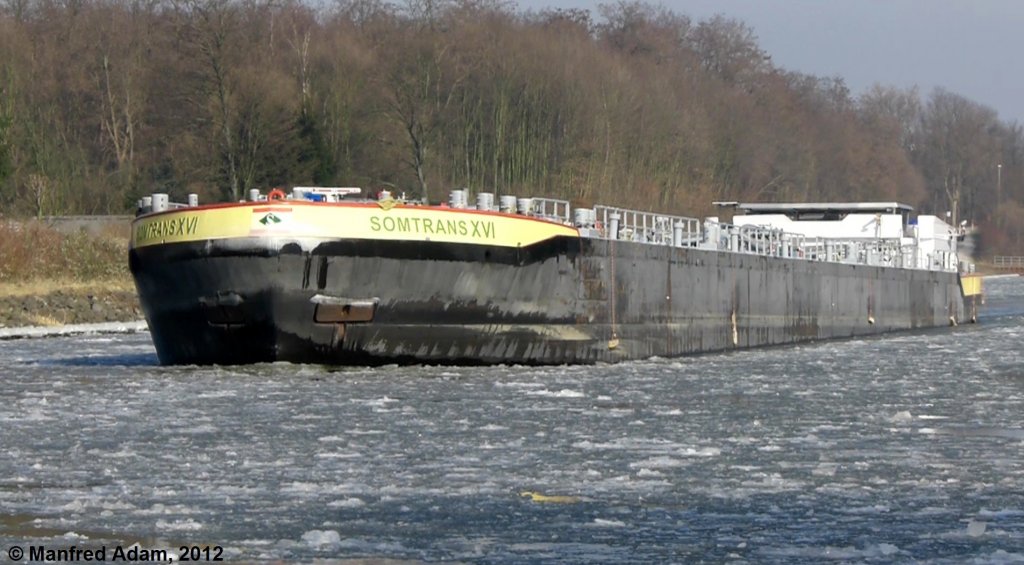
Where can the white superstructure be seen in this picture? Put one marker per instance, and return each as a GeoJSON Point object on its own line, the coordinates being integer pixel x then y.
{"type": "Point", "coordinates": [922, 242]}
{"type": "Point", "coordinates": [855, 220]}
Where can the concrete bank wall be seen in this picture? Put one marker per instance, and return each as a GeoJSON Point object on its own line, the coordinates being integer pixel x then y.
{"type": "Point", "coordinates": [91, 224]}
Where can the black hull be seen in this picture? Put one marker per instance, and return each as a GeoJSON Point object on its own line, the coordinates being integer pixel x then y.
{"type": "Point", "coordinates": [565, 300]}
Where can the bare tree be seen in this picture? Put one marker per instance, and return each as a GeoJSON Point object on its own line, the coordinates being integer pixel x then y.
{"type": "Point", "coordinates": [419, 87]}
{"type": "Point", "coordinates": [207, 30]}
{"type": "Point", "coordinates": [959, 153]}
{"type": "Point", "coordinates": [728, 49]}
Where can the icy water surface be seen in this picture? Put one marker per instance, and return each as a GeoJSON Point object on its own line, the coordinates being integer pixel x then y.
{"type": "Point", "coordinates": [904, 448]}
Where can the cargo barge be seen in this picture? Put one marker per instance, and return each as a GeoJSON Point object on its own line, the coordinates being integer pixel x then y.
{"type": "Point", "coordinates": [322, 275]}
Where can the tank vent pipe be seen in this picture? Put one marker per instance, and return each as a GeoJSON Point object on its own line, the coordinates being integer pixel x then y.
{"type": "Point", "coordinates": [613, 225]}
{"type": "Point", "coordinates": [677, 234]}
{"type": "Point", "coordinates": [507, 204]}
{"type": "Point", "coordinates": [161, 202]}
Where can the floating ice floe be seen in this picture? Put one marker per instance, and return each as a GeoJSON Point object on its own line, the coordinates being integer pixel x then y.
{"type": "Point", "coordinates": [601, 522]}
{"type": "Point", "coordinates": [321, 538]}
{"type": "Point", "coordinates": [902, 416]}
{"type": "Point", "coordinates": [564, 393]}
{"type": "Point", "coordinates": [976, 528]}
{"type": "Point", "coordinates": [347, 503]}
{"type": "Point", "coordinates": [74, 329]}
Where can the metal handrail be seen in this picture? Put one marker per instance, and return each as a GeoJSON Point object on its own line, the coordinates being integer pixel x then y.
{"type": "Point", "coordinates": [646, 227]}
{"type": "Point", "coordinates": [623, 224]}
{"type": "Point", "coordinates": [1008, 262]}
{"type": "Point", "coordinates": [758, 240]}
{"type": "Point", "coordinates": [551, 209]}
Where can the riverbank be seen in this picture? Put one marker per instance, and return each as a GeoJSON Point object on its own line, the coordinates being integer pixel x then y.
{"type": "Point", "coordinates": [52, 275]}
{"type": "Point", "coordinates": [57, 303]}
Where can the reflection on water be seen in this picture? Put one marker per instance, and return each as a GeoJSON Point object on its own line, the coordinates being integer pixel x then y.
{"type": "Point", "coordinates": [902, 448]}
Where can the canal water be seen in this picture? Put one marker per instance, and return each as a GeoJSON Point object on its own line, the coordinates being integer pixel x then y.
{"type": "Point", "coordinates": [903, 448]}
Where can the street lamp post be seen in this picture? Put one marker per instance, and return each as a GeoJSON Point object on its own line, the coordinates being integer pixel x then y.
{"type": "Point", "coordinates": [999, 192]}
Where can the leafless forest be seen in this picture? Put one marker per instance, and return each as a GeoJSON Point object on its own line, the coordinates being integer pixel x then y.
{"type": "Point", "coordinates": [102, 101]}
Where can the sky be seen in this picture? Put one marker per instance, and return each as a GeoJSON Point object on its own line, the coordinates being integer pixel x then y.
{"type": "Point", "coordinates": [974, 48]}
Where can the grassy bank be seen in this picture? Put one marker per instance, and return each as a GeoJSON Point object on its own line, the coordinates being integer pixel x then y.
{"type": "Point", "coordinates": [31, 251]}
{"type": "Point", "coordinates": [52, 278]}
